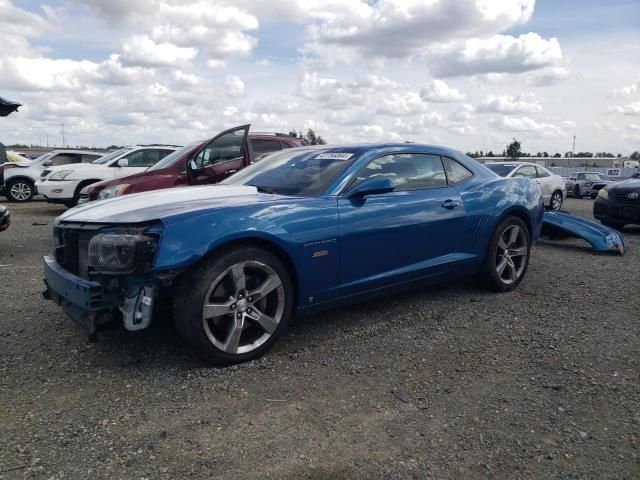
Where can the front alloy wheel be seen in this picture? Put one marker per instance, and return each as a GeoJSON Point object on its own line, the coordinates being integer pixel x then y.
{"type": "Point", "coordinates": [243, 307]}
{"type": "Point", "coordinates": [19, 191]}
{"type": "Point", "coordinates": [556, 201]}
{"type": "Point", "coordinates": [235, 305]}
{"type": "Point", "coordinates": [507, 256]}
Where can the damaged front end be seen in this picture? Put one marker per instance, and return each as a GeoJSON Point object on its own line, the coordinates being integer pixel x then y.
{"type": "Point", "coordinates": [100, 273]}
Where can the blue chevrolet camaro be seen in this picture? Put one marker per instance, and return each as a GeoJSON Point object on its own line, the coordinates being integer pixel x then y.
{"type": "Point", "coordinates": [302, 230]}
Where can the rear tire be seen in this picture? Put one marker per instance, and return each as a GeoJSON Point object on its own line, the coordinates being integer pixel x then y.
{"type": "Point", "coordinates": [235, 305]}
{"type": "Point", "coordinates": [19, 190]}
{"type": "Point", "coordinates": [507, 256]}
{"type": "Point", "coordinates": [576, 192]}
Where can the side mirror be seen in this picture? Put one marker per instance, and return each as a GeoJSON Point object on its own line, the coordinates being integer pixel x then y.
{"type": "Point", "coordinates": [123, 162]}
{"type": "Point", "coordinates": [193, 166]}
{"type": "Point", "coordinates": [371, 186]}
{"type": "Point", "coordinates": [47, 164]}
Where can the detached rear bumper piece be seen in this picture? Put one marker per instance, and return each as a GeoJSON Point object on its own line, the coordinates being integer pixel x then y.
{"type": "Point", "coordinates": [600, 237]}
{"type": "Point", "coordinates": [82, 300]}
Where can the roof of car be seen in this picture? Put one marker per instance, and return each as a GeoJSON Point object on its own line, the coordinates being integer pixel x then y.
{"type": "Point", "coordinates": [71, 150]}
{"type": "Point", "coordinates": [513, 164]}
{"type": "Point", "coordinates": [365, 147]}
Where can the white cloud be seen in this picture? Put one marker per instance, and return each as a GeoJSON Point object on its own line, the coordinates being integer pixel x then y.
{"type": "Point", "coordinates": [527, 124]}
{"type": "Point", "coordinates": [140, 50]}
{"type": "Point", "coordinates": [462, 114]}
{"type": "Point", "coordinates": [626, 91]}
{"type": "Point", "coordinates": [496, 54]}
{"type": "Point", "coordinates": [400, 28]}
{"type": "Point", "coordinates": [523, 103]}
{"type": "Point", "coordinates": [234, 86]}
{"type": "Point", "coordinates": [370, 131]}
{"type": "Point", "coordinates": [21, 73]}
{"type": "Point", "coordinates": [629, 109]}
{"type": "Point", "coordinates": [402, 104]}
{"type": "Point", "coordinates": [439, 91]}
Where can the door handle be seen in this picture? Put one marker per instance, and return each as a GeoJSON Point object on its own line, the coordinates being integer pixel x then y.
{"type": "Point", "coordinates": [231, 171]}
{"type": "Point", "coordinates": [451, 204]}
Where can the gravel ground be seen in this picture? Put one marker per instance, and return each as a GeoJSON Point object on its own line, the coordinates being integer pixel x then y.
{"type": "Point", "coordinates": [447, 382]}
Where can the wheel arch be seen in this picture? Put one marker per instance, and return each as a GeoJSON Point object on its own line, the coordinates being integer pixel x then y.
{"type": "Point", "coordinates": [253, 241]}
{"type": "Point", "coordinates": [84, 183]}
{"type": "Point", "coordinates": [522, 215]}
{"type": "Point", "coordinates": [19, 177]}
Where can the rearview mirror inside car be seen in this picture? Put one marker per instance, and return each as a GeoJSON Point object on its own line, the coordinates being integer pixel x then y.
{"type": "Point", "coordinates": [371, 186]}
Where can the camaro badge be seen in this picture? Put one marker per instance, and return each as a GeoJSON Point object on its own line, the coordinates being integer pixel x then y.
{"type": "Point", "coordinates": [320, 253]}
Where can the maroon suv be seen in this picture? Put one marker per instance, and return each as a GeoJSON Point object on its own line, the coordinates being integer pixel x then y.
{"type": "Point", "coordinates": [199, 163]}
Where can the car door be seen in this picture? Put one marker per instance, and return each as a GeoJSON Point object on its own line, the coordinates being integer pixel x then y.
{"type": "Point", "coordinates": [409, 233]}
{"type": "Point", "coordinates": [224, 155]}
{"type": "Point", "coordinates": [547, 182]}
{"type": "Point", "coordinates": [529, 171]}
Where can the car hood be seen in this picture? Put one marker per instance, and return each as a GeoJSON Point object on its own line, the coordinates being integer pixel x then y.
{"type": "Point", "coordinates": [630, 184]}
{"type": "Point", "coordinates": [73, 166]}
{"type": "Point", "coordinates": [161, 204]}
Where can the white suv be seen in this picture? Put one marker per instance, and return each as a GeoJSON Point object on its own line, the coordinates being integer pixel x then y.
{"type": "Point", "coordinates": [63, 184]}
{"type": "Point", "coordinates": [17, 179]}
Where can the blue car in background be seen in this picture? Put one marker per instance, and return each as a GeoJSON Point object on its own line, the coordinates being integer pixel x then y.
{"type": "Point", "coordinates": [302, 230]}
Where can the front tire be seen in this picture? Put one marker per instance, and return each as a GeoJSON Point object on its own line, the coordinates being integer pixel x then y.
{"type": "Point", "coordinates": [555, 203]}
{"type": "Point", "coordinates": [235, 305]}
{"type": "Point", "coordinates": [507, 256]}
{"type": "Point", "coordinates": [19, 190]}
{"type": "Point", "coordinates": [576, 192]}
{"type": "Point", "coordinates": [616, 225]}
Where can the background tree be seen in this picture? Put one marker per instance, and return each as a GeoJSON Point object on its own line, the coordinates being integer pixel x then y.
{"type": "Point", "coordinates": [314, 139]}
{"type": "Point", "coordinates": [513, 150]}
{"type": "Point", "coordinates": [634, 156]}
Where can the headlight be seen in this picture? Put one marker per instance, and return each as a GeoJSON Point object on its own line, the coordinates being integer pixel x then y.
{"type": "Point", "coordinates": [120, 254]}
{"type": "Point", "coordinates": [61, 175]}
{"type": "Point", "coordinates": [602, 193]}
{"type": "Point", "coordinates": [114, 191]}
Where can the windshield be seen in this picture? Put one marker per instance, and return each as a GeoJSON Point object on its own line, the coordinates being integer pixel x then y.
{"type": "Point", "coordinates": [294, 172]}
{"type": "Point", "coordinates": [500, 169]}
{"type": "Point", "coordinates": [174, 156]}
{"type": "Point", "coordinates": [42, 158]}
{"type": "Point", "coordinates": [594, 177]}
{"type": "Point", "coordinates": [110, 156]}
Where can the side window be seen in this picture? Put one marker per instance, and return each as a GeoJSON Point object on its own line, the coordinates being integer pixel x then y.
{"type": "Point", "coordinates": [284, 145]}
{"type": "Point", "coordinates": [528, 171]}
{"type": "Point", "coordinates": [65, 159]}
{"type": "Point", "coordinates": [222, 149]}
{"type": "Point", "coordinates": [164, 153]}
{"type": "Point", "coordinates": [88, 158]}
{"type": "Point", "coordinates": [543, 172]}
{"type": "Point", "coordinates": [407, 171]}
{"type": "Point", "coordinates": [456, 172]}
{"type": "Point", "coordinates": [262, 148]}
{"type": "Point", "coordinates": [135, 159]}
{"type": "Point", "coordinates": [581, 176]}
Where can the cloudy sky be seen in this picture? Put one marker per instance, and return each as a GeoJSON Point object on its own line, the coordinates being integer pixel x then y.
{"type": "Point", "coordinates": [469, 74]}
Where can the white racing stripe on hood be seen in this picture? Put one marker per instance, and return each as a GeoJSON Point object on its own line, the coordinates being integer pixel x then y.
{"type": "Point", "coordinates": [115, 207]}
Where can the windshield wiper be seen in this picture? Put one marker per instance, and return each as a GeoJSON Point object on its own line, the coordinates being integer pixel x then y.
{"type": "Point", "coordinates": [263, 189]}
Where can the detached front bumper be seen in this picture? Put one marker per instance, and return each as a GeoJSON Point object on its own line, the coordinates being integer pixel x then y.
{"type": "Point", "coordinates": [83, 300]}
{"type": "Point", "coordinates": [5, 220]}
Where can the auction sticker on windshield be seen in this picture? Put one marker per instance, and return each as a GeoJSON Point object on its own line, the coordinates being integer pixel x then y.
{"type": "Point", "coordinates": [334, 156]}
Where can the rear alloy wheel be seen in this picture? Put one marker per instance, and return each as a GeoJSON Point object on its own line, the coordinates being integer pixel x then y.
{"type": "Point", "coordinates": [19, 191]}
{"type": "Point", "coordinates": [240, 305]}
{"type": "Point", "coordinates": [507, 256]}
{"type": "Point", "coordinates": [556, 201]}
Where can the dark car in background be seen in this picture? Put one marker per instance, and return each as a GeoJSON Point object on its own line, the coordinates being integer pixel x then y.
{"type": "Point", "coordinates": [586, 184]}
{"type": "Point", "coordinates": [618, 204]}
{"type": "Point", "coordinates": [199, 163]}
